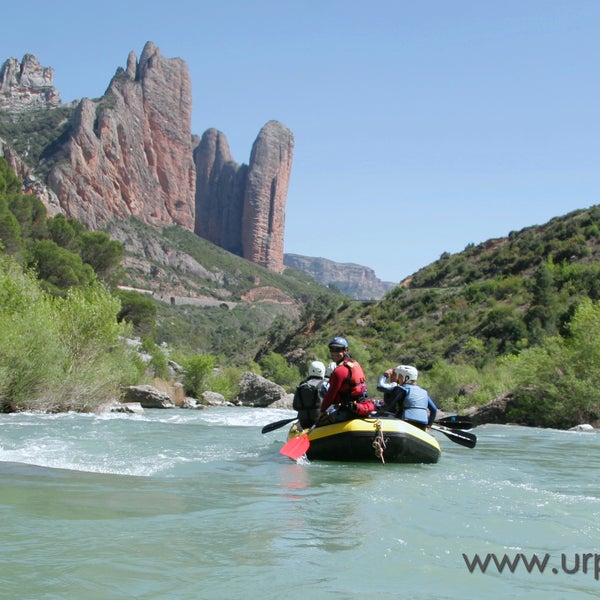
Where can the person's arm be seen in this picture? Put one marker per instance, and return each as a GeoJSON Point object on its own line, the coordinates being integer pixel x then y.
{"type": "Point", "coordinates": [383, 385]}
{"type": "Point", "coordinates": [323, 387]}
{"type": "Point", "coordinates": [335, 383]}
{"type": "Point", "coordinates": [432, 410]}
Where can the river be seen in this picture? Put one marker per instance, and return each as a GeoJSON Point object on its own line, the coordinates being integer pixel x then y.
{"type": "Point", "coordinates": [199, 505]}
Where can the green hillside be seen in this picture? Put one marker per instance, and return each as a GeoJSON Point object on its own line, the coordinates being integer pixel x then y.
{"type": "Point", "coordinates": [69, 298]}
{"type": "Point", "coordinates": [514, 316]}
{"type": "Point", "coordinates": [492, 320]}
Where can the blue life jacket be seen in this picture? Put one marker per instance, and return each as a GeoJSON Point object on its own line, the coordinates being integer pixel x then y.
{"type": "Point", "coordinates": [416, 402]}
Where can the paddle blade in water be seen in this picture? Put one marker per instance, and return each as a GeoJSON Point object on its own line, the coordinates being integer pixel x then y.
{"type": "Point", "coordinates": [456, 422]}
{"type": "Point", "coordinates": [296, 447]}
{"type": "Point", "coordinates": [464, 438]}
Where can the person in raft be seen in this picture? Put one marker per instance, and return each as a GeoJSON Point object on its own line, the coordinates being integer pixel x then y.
{"type": "Point", "coordinates": [309, 395]}
{"type": "Point", "coordinates": [402, 396]}
{"type": "Point", "coordinates": [345, 398]}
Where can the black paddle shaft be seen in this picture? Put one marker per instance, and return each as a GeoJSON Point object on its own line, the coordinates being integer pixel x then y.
{"type": "Point", "coordinates": [458, 437]}
{"type": "Point", "coordinates": [277, 425]}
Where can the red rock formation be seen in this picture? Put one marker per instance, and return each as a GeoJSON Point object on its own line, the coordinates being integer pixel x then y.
{"type": "Point", "coordinates": [220, 184]}
{"type": "Point", "coordinates": [242, 208]}
{"type": "Point", "coordinates": [130, 154]}
{"type": "Point", "coordinates": [265, 195]}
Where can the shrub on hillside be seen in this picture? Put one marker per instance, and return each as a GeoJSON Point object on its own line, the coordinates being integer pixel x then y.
{"type": "Point", "coordinates": [59, 354]}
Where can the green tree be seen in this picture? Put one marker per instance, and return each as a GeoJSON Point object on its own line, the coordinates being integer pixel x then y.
{"type": "Point", "coordinates": [559, 381]}
{"type": "Point", "coordinates": [30, 213]}
{"type": "Point", "coordinates": [98, 250]}
{"type": "Point", "coordinates": [504, 329]}
{"type": "Point", "coordinates": [197, 371]}
{"type": "Point", "coordinates": [11, 240]}
{"type": "Point", "coordinates": [59, 268]}
{"type": "Point", "coordinates": [138, 309]}
{"type": "Point", "coordinates": [159, 363]}
{"type": "Point", "coordinates": [59, 354]}
{"type": "Point", "coordinates": [9, 182]}
{"type": "Point", "coordinates": [276, 368]}
{"type": "Point", "coordinates": [62, 231]}
{"type": "Point", "coordinates": [542, 316]}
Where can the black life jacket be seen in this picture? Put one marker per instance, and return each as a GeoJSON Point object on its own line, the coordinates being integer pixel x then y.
{"type": "Point", "coordinates": [307, 395]}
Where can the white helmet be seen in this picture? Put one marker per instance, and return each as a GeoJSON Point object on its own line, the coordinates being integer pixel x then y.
{"type": "Point", "coordinates": [330, 368]}
{"type": "Point", "coordinates": [407, 373]}
{"type": "Point", "coordinates": [316, 369]}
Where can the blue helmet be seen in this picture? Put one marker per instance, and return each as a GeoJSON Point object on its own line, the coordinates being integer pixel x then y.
{"type": "Point", "coordinates": [338, 342]}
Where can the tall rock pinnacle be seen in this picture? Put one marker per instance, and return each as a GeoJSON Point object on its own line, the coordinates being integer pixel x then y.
{"type": "Point", "coordinates": [130, 154]}
{"type": "Point", "coordinates": [242, 207]}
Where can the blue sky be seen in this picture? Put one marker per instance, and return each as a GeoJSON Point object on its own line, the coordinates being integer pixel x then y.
{"type": "Point", "coordinates": [420, 127]}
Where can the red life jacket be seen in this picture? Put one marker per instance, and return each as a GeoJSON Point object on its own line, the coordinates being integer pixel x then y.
{"type": "Point", "coordinates": [354, 385]}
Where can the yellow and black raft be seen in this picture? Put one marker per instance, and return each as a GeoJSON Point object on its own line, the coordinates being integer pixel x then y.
{"type": "Point", "coordinates": [380, 437]}
{"type": "Point", "coordinates": [376, 439]}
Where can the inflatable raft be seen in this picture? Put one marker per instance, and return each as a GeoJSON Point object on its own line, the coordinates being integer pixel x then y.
{"type": "Point", "coordinates": [377, 439]}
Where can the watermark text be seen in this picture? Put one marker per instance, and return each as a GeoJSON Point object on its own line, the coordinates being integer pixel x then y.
{"type": "Point", "coordinates": [585, 562]}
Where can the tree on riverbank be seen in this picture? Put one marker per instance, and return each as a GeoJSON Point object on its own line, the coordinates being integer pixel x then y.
{"type": "Point", "coordinates": [558, 383]}
{"type": "Point", "coordinates": [60, 353]}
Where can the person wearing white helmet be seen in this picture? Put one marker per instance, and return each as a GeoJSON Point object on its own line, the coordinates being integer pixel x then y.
{"type": "Point", "coordinates": [309, 395]}
{"type": "Point", "coordinates": [328, 371]}
{"type": "Point", "coordinates": [316, 369]}
{"type": "Point", "coordinates": [402, 396]}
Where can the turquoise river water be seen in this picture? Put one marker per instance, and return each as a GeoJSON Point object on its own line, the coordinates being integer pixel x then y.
{"type": "Point", "coordinates": [199, 505]}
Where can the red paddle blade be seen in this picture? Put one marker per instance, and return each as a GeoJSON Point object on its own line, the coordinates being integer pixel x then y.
{"type": "Point", "coordinates": [296, 447]}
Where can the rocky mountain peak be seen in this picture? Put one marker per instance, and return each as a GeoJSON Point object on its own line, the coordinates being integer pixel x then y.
{"type": "Point", "coordinates": [26, 85]}
{"type": "Point", "coordinates": [131, 153]}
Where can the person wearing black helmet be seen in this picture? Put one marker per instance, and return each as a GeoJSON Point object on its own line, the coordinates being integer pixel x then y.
{"type": "Point", "coordinates": [347, 386]}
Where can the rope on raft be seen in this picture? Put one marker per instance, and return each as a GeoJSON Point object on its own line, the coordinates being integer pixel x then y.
{"type": "Point", "coordinates": [379, 441]}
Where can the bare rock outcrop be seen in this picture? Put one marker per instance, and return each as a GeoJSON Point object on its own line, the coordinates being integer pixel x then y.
{"type": "Point", "coordinates": [242, 207]}
{"type": "Point", "coordinates": [492, 412]}
{"type": "Point", "coordinates": [147, 396]}
{"type": "Point", "coordinates": [26, 85]}
{"type": "Point", "coordinates": [265, 195]}
{"type": "Point", "coordinates": [220, 185]}
{"type": "Point", "coordinates": [130, 153]}
{"type": "Point", "coordinates": [351, 279]}
{"type": "Point", "coordinates": [255, 390]}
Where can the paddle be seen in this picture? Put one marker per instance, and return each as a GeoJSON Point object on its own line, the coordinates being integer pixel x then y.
{"type": "Point", "coordinates": [456, 422]}
{"type": "Point", "coordinates": [277, 425]}
{"type": "Point", "coordinates": [297, 446]}
{"type": "Point", "coordinates": [463, 438]}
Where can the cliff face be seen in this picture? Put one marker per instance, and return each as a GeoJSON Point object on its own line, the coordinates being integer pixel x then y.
{"type": "Point", "coordinates": [242, 208]}
{"type": "Point", "coordinates": [264, 199]}
{"type": "Point", "coordinates": [353, 280]}
{"type": "Point", "coordinates": [220, 185]}
{"type": "Point", "coordinates": [26, 85]}
{"type": "Point", "coordinates": [130, 154]}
